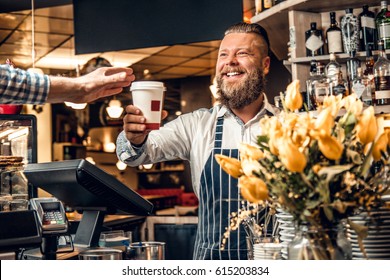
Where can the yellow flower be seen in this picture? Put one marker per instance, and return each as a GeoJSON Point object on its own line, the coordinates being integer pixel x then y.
{"type": "Point", "coordinates": [291, 157]}
{"type": "Point", "coordinates": [380, 146]}
{"type": "Point", "coordinates": [293, 98]}
{"type": "Point", "coordinates": [353, 104]}
{"type": "Point", "coordinates": [325, 121]}
{"type": "Point", "coordinates": [249, 166]}
{"type": "Point", "coordinates": [367, 127]}
{"type": "Point", "coordinates": [333, 102]}
{"type": "Point", "coordinates": [231, 166]}
{"type": "Point", "coordinates": [249, 151]}
{"type": "Point", "coordinates": [330, 147]}
{"type": "Point", "coordinates": [253, 189]}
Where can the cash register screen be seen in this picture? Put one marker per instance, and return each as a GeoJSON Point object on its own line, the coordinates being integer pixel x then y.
{"type": "Point", "coordinates": [83, 186]}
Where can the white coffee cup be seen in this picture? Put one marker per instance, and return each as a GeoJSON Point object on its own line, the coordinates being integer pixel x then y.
{"type": "Point", "coordinates": [148, 96]}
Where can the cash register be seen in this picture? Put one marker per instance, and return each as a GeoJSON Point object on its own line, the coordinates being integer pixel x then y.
{"type": "Point", "coordinates": [84, 187]}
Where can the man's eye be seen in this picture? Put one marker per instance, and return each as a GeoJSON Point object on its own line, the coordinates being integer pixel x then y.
{"type": "Point", "coordinates": [222, 54]}
{"type": "Point", "coordinates": [242, 54]}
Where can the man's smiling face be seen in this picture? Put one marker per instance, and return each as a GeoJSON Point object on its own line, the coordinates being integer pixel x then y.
{"type": "Point", "coordinates": [240, 69]}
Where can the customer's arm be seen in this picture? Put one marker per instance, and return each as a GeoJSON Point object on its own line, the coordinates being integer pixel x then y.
{"type": "Point", "coordinates": [22, 87]}
{"type": "Point", "coordinates": [100, 83]}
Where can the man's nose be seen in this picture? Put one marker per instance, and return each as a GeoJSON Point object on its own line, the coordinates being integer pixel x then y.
{"type": "Point", "coordinates": [231, 60]}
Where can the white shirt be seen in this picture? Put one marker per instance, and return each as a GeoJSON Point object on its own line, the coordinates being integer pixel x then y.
{"type": "Point", "coordinates": [191, 137]}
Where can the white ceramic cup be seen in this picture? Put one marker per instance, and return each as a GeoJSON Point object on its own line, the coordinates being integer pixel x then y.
{"type": "Point", "coordinates": [148, 96]}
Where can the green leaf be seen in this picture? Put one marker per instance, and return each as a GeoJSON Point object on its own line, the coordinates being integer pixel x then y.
{"type": "Point", "coordinates": [349, 123]}
{"type": "Point", "coordinates": [328, 213]}
{"type": "Point", "coordinates": [332, 171]}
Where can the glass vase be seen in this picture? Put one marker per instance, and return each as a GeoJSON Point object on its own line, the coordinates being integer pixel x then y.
{"type": "Point", "coordinates": [316, 243]}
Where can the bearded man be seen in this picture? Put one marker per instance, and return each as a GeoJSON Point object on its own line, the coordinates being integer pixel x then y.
{"type": "Point", "coordinates": [242, 65]}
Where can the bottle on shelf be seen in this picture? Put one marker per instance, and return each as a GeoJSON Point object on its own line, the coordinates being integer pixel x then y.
{"type": "Point", "coordinates": [341, 88]}
{"type": "Point", "coordinates": [333, 36]}
{"type": "Point", "coordinates": [258, 6]}
{"type": "Point", "coordinates": [369, 63]}
{"type": "Point", "coordinates": [332, 69]}
{"type": "Point", "coordinates": [353, 63]}
{"type": "Point", "coordinates": [314, 41]}
{"type": "Point", "coordinates": [350, 31]}
{"type": "Point", "coordinates": [362, 87]}
{"type": "Point", "coordinates": [309, 96]}
{"type": "Point", "coordinates": [357, 85]}
{"type": "Point", "coordinates": [267, 4]}
{"type": "Point", "coordinates": [382, 77]}
{"type": "Point", "coordinates": [382, 21]}
{"type": "Point", "coordinates": [367, 29]}
{"type": "Point", "coordinates": [318, 86]}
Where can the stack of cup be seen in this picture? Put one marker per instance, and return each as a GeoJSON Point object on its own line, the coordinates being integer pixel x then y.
{"type": "Point", "coordinates": [267, 251]}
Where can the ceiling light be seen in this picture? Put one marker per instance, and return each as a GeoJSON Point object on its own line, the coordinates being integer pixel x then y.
{"type": "Point", "coordinates": [90, 159]}
{"type": "Point", "coordinates": [114, 109]}
{"type": "Point", "coordinates": [109, 147]}
{"type": "Point", "coordinates": [121, 165]}
{"type": "Point", "coordinates": [76, 106]}
{"type": "Point", "coordinates": [147, 166]}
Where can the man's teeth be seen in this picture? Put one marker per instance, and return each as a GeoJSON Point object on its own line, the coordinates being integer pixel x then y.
{"type": "Point", "coordinates": [232, 74]}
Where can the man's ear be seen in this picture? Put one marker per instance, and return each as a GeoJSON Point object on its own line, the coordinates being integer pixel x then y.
{"type": "Point", "coordinates": [266, 62]}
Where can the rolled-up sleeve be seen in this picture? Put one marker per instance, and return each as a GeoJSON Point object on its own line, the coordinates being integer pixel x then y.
{"type": "Point", "coordinates": [22, 87]}
{"type": "Point", "coordinates": [126, 152]}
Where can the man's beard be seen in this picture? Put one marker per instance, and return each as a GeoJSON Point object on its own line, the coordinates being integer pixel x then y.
{"type": "Point", "coordinates": [239, 95]}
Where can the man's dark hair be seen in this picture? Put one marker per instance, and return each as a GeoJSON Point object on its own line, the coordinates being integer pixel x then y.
{"type": "Point", "coordinates": [243, 27]}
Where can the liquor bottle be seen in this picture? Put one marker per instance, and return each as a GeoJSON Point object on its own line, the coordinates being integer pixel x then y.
{"type": "Point", "coordinates": [367, 28]}
{"type": "Point", "coordinates": [382, 77]}
{"type": "Point", "coordinates": [332, 69]}
{"type": "Point", "coordinates": [341, 88]}
{"type": "Point", "coordinates": [368, 75]}
{"type": "Point", "coordinates": [318, 86]}
{"type": "Point", "coordinates": [258, 6]}
{"type": "Point", "coordinates": [357, 85]}
{"type": "Point", "coordinates": [363, 87]}
{"type": "Point", "coordinates": [310, 97]}
{"type": "Point", "coordinates": [382, 21]}
{"type": "Point", "coordinates": [313, 41]}
{"type": "Point", "coordinates": [369, 63]}
{"type": "Point", "coordinates": [333, 36]}
{"type": "Point", "coordinates": [350, 31]}
{"type": "Point", "coordinates": [267, 4]}
{"type": "Point", "coordinates": [353, 64]}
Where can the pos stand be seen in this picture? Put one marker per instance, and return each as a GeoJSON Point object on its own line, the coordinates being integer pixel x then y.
{"type": "Point", "coordinates": [88, 231]}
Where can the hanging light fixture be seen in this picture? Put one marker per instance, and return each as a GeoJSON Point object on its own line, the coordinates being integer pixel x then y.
{"type": "Point", "coordinates": [33, 53]}
{"type": "Point", "coordinates": [114, 109]}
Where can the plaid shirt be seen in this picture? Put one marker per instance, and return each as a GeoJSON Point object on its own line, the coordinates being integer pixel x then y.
{"type": "Point", "coordinates": [21, 87]}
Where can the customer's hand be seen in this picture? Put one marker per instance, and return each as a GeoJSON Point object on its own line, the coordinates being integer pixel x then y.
{"type": "Point", "coordinates": [102, 82]}
{"type": "Point", "coordinates": [134, 124]}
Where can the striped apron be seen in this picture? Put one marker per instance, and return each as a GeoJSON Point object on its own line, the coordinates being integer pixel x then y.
{"type": "Point", "coordinates": [219, 196]}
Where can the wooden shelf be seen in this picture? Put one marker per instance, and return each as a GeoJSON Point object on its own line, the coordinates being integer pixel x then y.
{"type": "Point", "coordinates": [276, 19]}
{"type": "Point", "coordinates": [341, 58]}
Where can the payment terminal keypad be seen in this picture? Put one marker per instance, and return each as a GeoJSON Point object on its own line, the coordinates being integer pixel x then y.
{"type": "Point", "coordinates": [53, 218]}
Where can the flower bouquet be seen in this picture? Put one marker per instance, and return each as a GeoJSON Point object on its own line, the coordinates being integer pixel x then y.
{"type": "Point", "coordinates": [321, 167]}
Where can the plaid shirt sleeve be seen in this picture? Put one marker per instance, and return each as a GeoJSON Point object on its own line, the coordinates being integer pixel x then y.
{"type": "Point", "coordinates": [21, 87]}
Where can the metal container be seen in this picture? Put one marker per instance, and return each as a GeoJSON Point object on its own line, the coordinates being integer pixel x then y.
{"type": "Point", "coordinates": [101, 254]}
{"type": "Point", "coordinates": [148, 250]}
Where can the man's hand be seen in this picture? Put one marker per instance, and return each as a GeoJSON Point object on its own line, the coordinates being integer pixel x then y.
{"type": "Point", "coordinates": [134, 124]}
{"type": "Point", "coordinates": [102, 82]}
